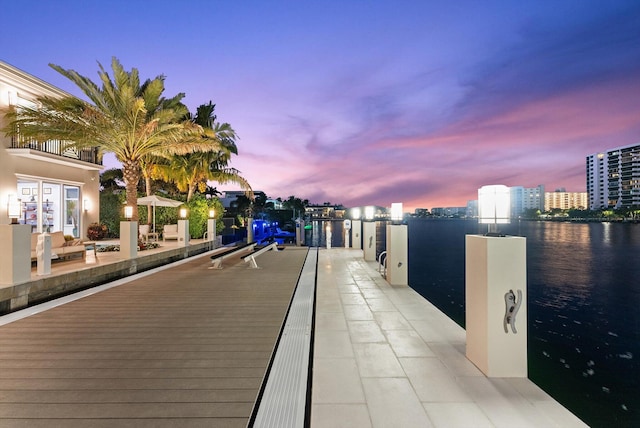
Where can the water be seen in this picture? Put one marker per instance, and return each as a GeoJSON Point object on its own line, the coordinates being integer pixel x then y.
{"type": "Point", "coordinates": [583, 301]}
{"type": "Point", "coordinates": [584, 295]}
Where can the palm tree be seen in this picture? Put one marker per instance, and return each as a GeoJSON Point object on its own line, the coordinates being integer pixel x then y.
{"type": "Point", "coordinates": [192, 171]}
{"type": "Point", "coordinates": [130, 119]}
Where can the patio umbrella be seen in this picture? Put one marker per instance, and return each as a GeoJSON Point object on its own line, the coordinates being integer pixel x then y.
{"type": "Point", "coordinates": [158, 201]}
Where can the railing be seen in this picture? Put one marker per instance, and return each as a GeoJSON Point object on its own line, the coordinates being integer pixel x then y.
{"type": "Point", "coordinates": [57, 147]}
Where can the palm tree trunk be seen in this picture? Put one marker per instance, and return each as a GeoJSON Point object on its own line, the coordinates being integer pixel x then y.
{"type": "Point", "coordinates": [131, 176]}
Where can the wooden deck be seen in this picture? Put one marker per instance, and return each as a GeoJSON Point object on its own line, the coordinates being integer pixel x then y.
{"type": "Point", "coordinates": [184, 347]}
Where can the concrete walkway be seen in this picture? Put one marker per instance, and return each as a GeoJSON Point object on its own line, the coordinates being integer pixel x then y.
{"type": "Point", "coordinates": [386, 357]}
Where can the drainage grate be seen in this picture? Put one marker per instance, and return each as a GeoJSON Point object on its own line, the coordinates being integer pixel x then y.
{"type": "Point", "coordinates": [284, 399]}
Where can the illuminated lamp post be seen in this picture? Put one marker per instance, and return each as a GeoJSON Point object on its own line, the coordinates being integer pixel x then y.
{"type": "Point", "coordinates": [183, 228]}
{"type": "Point", "coordinates": [496, 291]}
{"type": "Point", "coordinates": [397, 247]}
{"type": "Point", "coordinates": [211, 228]}
{"type": "Point", "coordinates": [128, 235]}
{"type": "Point", "coordinates": [356, 228]}
{"type": "Point", "coordinates": [15, 257]}
{"type": "Point", "coordinates": [369, 234]}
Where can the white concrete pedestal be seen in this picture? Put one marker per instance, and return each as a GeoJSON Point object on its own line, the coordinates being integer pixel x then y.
{"type": "Point", "coordinates": [397, 254]}
{"type": "Point", "coordinates": [369, 240]}
{"type": "Point", "coordinates": [15, 255]}
{"type": "Point", "coordinates": [43, 254]}
{"type": "Point", "coordinates": [128, 239]}
{"type": "Point", "coordinates": [356, 231]}
{"type": "Point", "coordinates": [183, 233]}
{"type": "Point", "coordinates": [211, 232]}
{"type": "Point", "coordinates": [347, 233]}
{"type": "Point", "coordinates": [299, 232]}
{"type": "Point", "coordinates": [495, 266]}
{"type": "Point", "coordinates": [250, 230]}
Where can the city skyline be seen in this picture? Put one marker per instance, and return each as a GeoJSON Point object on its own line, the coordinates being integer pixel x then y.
{"type": "Point", "coordinates": [371, 103]}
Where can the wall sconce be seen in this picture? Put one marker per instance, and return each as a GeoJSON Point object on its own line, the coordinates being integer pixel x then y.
{"type": "Point", "coordinates": [494, 207]}
{"type": "Point", "coordinates": [86, 204]}
{"type": "Point", "coordinates": [369, 213]}
{"type": "Point", "coordinates": [396, 212]}
{"type": "Point", "coordinates": [183, 213]}
{"type": "Point", "coordinates": [128, 212]}
{"type": "Point", "coordinates": [355, 214]}
{"type": "Point", "coordinates": [13, 208]}
{"type": "Point", "coordinates": [212, 213]}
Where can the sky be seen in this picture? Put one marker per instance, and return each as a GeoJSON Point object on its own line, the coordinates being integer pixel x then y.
{"type": "Point", "coordinates": [360, 102]}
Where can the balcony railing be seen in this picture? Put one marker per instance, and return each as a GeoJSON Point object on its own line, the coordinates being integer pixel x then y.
{"type": "Point", "coordinates": [60, 148]}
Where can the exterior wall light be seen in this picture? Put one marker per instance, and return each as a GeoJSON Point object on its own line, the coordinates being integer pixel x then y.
{"type": "Point", "coordinates": [183, 213]}
{"type": "Point", "coordinates": [86, 203]}
{"type": "Point", "coordinates": [128, 212]}
{"type": "Point", "coordinates": [13, 208]}
{"type": "Point", "coordinates": [494, 206]}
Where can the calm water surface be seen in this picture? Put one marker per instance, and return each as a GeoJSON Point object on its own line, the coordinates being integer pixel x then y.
{"type": "Point", "coordinates": [584, 296]}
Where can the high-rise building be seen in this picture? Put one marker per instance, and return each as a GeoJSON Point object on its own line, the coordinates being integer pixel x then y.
{"type": "Point", "coordinates": [524, 198]}
{"type": "Point", "coordinates": [613, 178]}
{"type": "Point", "coordinates": [565, 200]}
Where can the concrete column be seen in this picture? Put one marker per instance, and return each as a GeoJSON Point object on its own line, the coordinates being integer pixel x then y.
{"type": "Point", "coordinates": [43, 254]}
{"type": "Point", "coordinates": [211, 231]}
{"type": "Point", "coordinates": [299, 232]}
{"type": "Point", "coordinates": [347, 233]}
{"type": "Point", "coordinates": [183, 233]}
{"type": "Point", "coordinates": [496, 304]}
{"type": "Point", "coordinates": [356, 227]}
{"type": "Point", "coordinates": [250, 229]}
{"type": "Point", "coordinates": [397, 254]}
{"type": "Point", "coordinates": [369, 240]}
{"type": "Point", "coordinates": [328, 234]}
{"type": "Point", "coordinates": [15, 260]}
{"type": "Point", "coordinates": [129, 239]}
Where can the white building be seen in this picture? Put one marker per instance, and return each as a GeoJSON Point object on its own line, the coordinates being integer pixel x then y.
{"type": "Point", "coordinates": [613, 178]}
{"type": "Point", "coordinates": [57, 186]}
{"type": "Point", "coordinates": [524, 198]}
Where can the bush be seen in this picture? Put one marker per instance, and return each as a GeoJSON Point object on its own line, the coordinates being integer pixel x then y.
{"type": "Point", "coordinates": [96, 232]}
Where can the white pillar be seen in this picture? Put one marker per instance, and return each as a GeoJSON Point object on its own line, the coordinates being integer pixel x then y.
{"type": "Point", "coordinates": [356, 227]}
{"type": "Point", "coordinates": [328, 235]}
{"type": "Point", "coordinates": [369, 240]}
{"type": "Point", "coordinates": [250, 229]}
{"type": "Point", "coordinates": [15, 259]}
{"type": "Point", "coordinates": [211, 231]}
{"type": "Point", "coordinates": [347, 233]}
{"type": "Point", "coordinates": [397, 254]}
{"type": "Point", "coordinates": [495, 285]}
{"type": "Point", "coordinates": [299, 232]}
{"type": "Point", "coordinates": [43, 254]}
{"type": "Point", "coordinates": [183, 233]}
{"type": "Point", "coordinates": [129, 239]}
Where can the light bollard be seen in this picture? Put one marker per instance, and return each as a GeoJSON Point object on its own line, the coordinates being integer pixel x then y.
{"type": "Point", "coordinates": [43, 254]}
{"type": "Point", "coordinates": [397, 254]}
{"type": "Point", "coordinates": [211, 232]}
{"type": "Point", "coordinates": [183, 233]}
{"type": "Point", "coordinates": [356, 228]}
{"type": "Point", "coordinates": [250, 234]}
{"type": "Point", "coordinates": [347, 232]}
{"type": "Point", "coordinates": [496, 291]}
{"type": "Point", "coordinates": [369, 240]}
{"type": "Point", "coordinates": [128, 239]}
{"type": "Point", "coordinates": [15, 263]}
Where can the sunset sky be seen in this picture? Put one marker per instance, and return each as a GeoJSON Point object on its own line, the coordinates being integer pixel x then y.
{"type": "Point", "coordinates": [370, 102]}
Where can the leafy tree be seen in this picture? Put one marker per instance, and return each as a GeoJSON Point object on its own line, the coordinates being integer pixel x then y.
{"type": "Point", "coordinates": [125, 116]}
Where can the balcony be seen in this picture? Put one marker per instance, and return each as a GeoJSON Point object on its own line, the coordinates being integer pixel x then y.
{"type": "Point", "coordinates": [62, 149]}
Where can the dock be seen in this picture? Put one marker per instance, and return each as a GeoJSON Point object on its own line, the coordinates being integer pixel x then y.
{"type": "Point", "coordinates": [183, 345]}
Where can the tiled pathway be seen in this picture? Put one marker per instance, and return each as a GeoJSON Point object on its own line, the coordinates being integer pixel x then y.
{"type": "Point", "coordinates": [386, 357]}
